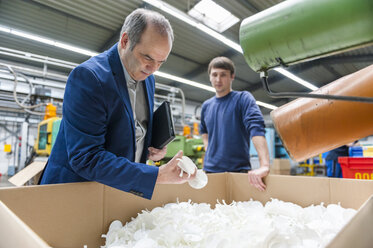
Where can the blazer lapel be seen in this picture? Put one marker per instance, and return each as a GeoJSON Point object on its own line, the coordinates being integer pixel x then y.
{"type": "Point", "coordinates": [149, 87]}
{"type": "Point", "coordinates": [120, 80]}
{"type": "Point", "coordinates": [149, 93]}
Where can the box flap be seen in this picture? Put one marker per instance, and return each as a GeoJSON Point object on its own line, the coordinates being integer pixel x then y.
{"type": "Point", "coordinates": [301, 190]}
{"type": "Point", "coordinates": [63, 215]}
{"type": "Point", "coordinates": [358, 231]}
{"type": "Point", "coordinates": [280, 164]}
{"type": "Point", "coordinates": [27, 173]}
{"type": "Point", "coordinates": [15, 233]}
{"type": "Point", "coordinates": [351, 193]}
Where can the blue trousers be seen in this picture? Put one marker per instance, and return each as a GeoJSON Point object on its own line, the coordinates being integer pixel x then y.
{"type": "Point", "coordinates": [333, 168]}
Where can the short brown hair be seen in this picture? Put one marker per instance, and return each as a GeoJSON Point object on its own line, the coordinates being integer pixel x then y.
{"type": "Point", "coordinates": [222, 63]}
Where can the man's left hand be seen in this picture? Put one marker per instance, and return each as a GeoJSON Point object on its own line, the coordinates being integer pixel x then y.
{"type": "Point", "coordinates": [256, 177]}
{"type": "Point", "coordinates": [157, 154]}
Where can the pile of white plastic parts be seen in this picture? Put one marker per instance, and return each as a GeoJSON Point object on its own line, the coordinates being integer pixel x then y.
{"type": "Point", "coordinates": [239, 224]}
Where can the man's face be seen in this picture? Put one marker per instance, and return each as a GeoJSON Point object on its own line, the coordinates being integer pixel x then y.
{"type": "Point", "coordinates": [221, 80]}
{"type": "Point", "coordinates": [147, 56]}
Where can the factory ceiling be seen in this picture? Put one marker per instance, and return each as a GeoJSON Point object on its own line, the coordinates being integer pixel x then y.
{"type": "Point", "coordinates": [95, 25]}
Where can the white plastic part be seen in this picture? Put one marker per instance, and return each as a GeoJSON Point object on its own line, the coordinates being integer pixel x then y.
{"type": "Point", "coordinates": [187, 165]}
{"type": "Point", "coordinates": [239, 224]}
{"type": "Point", "coordinates": [199, 181]}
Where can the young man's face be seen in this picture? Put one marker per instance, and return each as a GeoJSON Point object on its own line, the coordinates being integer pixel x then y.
{"type": "Point", "coordinates": [221, 80]}
{"type": "Point", "coordinates": [147, 56]}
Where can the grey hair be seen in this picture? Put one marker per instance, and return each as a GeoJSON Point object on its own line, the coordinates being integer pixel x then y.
{"type": "Point", "coordinates": [137, 21]}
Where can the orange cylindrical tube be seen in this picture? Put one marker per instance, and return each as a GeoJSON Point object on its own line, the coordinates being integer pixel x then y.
{"type": "Point", "coordinates": [309, 126]}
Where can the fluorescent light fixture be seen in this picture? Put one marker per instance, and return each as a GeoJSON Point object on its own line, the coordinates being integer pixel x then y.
{"type": "Point", "coordinates": [213, 15]}
{"type": "Point", "coordinates": [296, 79]}
{"type": "Point", "coordinates": [48, 41]}
{"type": "Point", "coordinates": [32, 37]}
{"type": "Point", "coordinates": [67, 64]}
{"type": "Point", "coordinates": [202, 86]}
{"type": "Point", "coordinates": [75, 49]}
{"type": "Point", "coordinates": [35, 57]}
{"type": "Point", "coordinates": [187, 19]}
{"type": "Point", "coordinates": [4, 29]}
{"type": "Point", "coordinates": [220, 37]}
{"type": "Point", "coordinates": [184, 81]}
{"type": "Point", "coordinates": [266, 105]}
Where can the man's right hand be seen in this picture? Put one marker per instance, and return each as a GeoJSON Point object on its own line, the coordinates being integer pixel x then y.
{"type": "Point", "coordinates": [170, 173]}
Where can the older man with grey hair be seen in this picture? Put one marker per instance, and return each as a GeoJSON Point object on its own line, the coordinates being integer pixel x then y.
{"type": "Point", "coordinates": [105, 131]}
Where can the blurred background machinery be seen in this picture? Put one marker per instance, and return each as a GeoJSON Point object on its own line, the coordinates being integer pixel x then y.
{"type": "Point", "coordinates": [47, 134]}
{"type": "Point", "coordinates": [190, 142]}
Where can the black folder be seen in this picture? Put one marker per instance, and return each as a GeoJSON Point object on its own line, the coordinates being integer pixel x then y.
{"type": "Point", "coordinates": [163, 130]}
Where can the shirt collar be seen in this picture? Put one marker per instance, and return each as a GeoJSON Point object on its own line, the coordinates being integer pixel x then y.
{"type": "Point", "coordinates": [126, 75]}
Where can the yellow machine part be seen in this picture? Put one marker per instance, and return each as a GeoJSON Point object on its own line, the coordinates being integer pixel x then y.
{"type": "Point", "coordinates": [187, 131]}
{"type": "Point", "coordinates": [7, 148]}
{"type": "Point", "coordinates": [43, 144]}
{"type": "Point", "coordinates": [195, 128]}
{"type": "Point", "coordinates": [50, 111]}
{"type": "Point", "coordinates": [309, 169]}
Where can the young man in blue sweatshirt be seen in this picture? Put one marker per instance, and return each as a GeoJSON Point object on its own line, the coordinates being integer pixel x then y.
{"type": "Point", "coordinates": [228, 121]}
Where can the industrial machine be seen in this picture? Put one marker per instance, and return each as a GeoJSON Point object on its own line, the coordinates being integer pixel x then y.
{"type": "Point", "coordinates": [191, 147]}
{"type": "Point", "coordinates": [47, 131]}
{"type": "Point", "coordinates": [296, 31]}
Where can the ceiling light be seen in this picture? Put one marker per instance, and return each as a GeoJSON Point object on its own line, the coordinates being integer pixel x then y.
{"type": "Point", "coordinates": [202, 86]}
{"type": "Point", "coordinates": [4, 29]}
{"type": "Point", "coordinates": [213, 15]}
{"type": "Point", "coordinates": [79, 50]}
{"type": "Point", "coordinates": [187, 19]}
{"type": "Point", "coordinates": [48, 41]}
{"type": "Point", "coordinates": [266, 105]}
{"type": "Point", "coordinates": [184, 81]}
{"type": "Point", "coordinates": [296, 79]}
{"type": "Point", "coordinates": [38, 58]}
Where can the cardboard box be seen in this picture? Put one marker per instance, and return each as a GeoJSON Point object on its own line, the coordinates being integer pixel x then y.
{"type": "Point", "coordinates": [280, 164]}
{"type": "Point", "coordinates": [280, 172]}
{"type": "Point", "coordinates": [76, 214]}
{"type": "Point", "coordinates": [30, 173]}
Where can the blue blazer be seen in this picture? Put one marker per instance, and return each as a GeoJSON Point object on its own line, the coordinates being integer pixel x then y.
{"type": "Point", "coordinates": [96, 140]}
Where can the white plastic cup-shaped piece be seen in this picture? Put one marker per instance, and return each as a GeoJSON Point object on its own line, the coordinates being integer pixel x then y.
{"type": "Point", "coordinates": [199, 181]}
{"type": "Point", "coordinates": [187, 165]}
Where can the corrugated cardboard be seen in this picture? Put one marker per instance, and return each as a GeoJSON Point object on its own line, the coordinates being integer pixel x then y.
{"type": "Point", "coordinates": [280, 172]}
{"type": "Point", "coordinates": [15, 225]}
{"type": "Point", "coordinates": [280, 164]}
{"type": "Point", "coordinates": [350, 235]}
{"type": "Point", "coordinates": [31, 171]}
{"type": "Point", "coordinates": [74, 215]}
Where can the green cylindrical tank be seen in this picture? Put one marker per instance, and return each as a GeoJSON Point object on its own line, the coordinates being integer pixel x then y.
{"type": "Point", "coordinates": [299, 30]}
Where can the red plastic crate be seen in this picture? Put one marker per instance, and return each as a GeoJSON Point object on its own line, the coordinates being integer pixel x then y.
{"type": "Point", "coordinates": [356, 167]}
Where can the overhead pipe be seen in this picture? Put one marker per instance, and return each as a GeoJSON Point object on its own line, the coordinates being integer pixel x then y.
{"type": "Point", "coordinates": [308, 127]}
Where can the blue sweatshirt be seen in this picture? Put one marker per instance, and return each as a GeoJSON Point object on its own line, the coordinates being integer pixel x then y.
{"type": "Point", "coordinates": [230, 122]}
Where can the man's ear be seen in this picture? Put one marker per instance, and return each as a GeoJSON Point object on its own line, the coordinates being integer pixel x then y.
{"type": "Point", "coordinates": [124, 41]}
{"type": "Point", "coordinates": [232, 76]}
